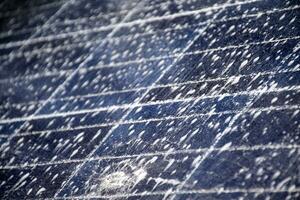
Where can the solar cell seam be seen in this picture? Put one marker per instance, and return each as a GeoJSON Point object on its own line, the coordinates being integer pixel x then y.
{"type": "Point", "coordinates": [130, 37]}
{"type": "Point", "coordinates": [228, 78]}
{"type": "Point", "coordinates": [84, 19]}
{"type": "Point", "coordinates": [158, 102]}
{"type": "Point", "coordinates": [152, 154]}
{"type": "Point", "coordinates": [127, 24]}
{"type": "Point", "coordinates": [124, 64]}
{"type": "Point", "coordinates": [266, 109]}
{"type": "Point", "coordinates": [176, 84]}
{"type": "Point", "coordinates": [101, 14]}
{"type": "Point", "coordinates": [31, 10]}
{"type": "Point", "coordinates": [212, 191]}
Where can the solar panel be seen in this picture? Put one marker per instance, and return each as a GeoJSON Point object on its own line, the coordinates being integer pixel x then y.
{"type": "Point", "coordinates": [127, 99]}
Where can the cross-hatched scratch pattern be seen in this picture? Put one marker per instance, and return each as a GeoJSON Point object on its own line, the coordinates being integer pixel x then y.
{"type": "Point", "coordinates": [151, 99]}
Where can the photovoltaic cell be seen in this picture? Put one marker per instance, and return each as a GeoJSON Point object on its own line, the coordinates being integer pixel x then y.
{"type": "Point", "coordinates": [109, 99]}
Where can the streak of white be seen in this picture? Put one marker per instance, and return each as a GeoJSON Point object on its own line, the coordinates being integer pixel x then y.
{"type": "Point", "coordinates": [125, 24]}
{"type": "Point", "coordinates": [137, 104]}
{"type": "Point", "coordinates": [181, 192]}
{"type": "Point", "coordinates": [157, 153]}
{"type": "Point", "coordinates": [131, 36]}
{"type": "Point", "coordinates": [138, 89]}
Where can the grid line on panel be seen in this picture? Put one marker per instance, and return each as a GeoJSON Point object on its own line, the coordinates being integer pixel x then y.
{"type": "Point", "coordinates": [126, 24]}
{"type": "Point", "coordinates": [122, 37]}
{"type": "Point", "coordinates": [130, 36]}
{"type": "Point", "coordinates": [82, 19]}
{"type": "Point", "coordinates": [158, 102]}
{"type": "Point", "coordinates": [181, 192]}
{"type": "Point", "coordinates": [281, 40]}
{"type": "Point", "coordinates": [184, 152]}
{"type": "Point", "coordinates": [262, 109]}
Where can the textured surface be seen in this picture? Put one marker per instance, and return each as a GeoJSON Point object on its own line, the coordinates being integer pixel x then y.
{"type": "Point", "coordinates": [152, 99]}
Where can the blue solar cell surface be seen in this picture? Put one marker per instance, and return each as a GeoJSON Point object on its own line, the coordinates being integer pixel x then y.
{"type": "Point", "coordinates": [152, 99]}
